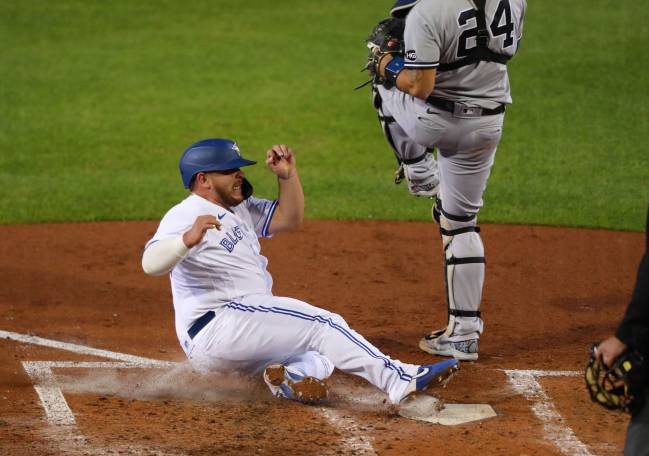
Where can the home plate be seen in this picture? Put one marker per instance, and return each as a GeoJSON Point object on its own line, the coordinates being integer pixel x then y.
{"type": "Point", "coordinates": [432, 410]}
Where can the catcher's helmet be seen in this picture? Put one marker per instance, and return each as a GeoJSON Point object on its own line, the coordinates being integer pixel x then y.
{"type": "Point", "coordinates": [402, 7]}
{"type": "Point", "coordinates": [210, 155]}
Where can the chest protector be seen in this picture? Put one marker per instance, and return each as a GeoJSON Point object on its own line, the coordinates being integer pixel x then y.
{"type": "Point", "coordinates": [481, 52]}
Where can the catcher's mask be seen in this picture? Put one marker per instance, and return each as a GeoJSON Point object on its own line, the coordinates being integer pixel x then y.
{"type": "Point", "coordinates": [402, 7]}
{"type": "Point", "coordinates": [213, 155]}
{"type": "Point", "coordinates": [617, 387]}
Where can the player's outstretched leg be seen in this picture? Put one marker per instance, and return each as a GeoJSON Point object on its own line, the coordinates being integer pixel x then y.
{"type": "Point", "coordinates": [291, 330]}
{"type": "Point", "coordinates": [286, 382]}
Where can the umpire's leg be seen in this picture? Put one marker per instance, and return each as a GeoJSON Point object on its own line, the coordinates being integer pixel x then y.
{"type": "Point", "coordinates": [637, 436]}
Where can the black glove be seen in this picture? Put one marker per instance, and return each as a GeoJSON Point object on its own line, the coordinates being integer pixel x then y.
{"type": "Point", "coordinates": [386, 38]}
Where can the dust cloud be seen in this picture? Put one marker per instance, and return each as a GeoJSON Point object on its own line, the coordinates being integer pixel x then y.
{"type": "Point", "coordinates": [180, 382]}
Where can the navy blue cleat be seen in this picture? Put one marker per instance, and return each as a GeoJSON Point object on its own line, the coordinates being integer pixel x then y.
{"type": "Point", "coordinates": [438, 374]}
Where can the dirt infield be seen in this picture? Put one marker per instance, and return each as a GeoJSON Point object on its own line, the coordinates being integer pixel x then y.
{"type": "Point", "coordinates": [549, 293]}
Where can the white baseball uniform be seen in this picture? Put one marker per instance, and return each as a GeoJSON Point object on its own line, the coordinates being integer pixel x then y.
{"type": "Point", "coordinates": [226, 274]}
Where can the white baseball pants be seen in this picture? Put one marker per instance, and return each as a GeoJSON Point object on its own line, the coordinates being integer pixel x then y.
{"type": "Point", "coordinates": [259, 330]}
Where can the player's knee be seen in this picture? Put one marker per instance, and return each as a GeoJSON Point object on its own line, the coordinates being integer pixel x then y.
{"type": "Point", "coordinates": [460, 234]}
{"type": "Point", "coordinates": [467, 244]}
{"type": "Point", "coordinates": [336, 319]}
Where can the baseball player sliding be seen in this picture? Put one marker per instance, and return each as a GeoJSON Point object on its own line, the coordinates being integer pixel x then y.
{"type": "Point", "coordinates": [440, 81]}
{"type": "Point", "coordinates": [227, 318]}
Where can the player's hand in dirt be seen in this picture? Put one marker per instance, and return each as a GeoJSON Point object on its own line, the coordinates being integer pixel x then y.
{"type": "Point", "coordinates": [281, 161]}
{"type": "Point", "coordinates": [195, 234]}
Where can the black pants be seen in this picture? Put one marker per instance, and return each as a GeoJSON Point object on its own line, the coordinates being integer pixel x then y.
{"type": "Point", "coordinates": [637, 436]}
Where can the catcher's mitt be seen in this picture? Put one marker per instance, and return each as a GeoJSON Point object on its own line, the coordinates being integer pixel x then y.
{"type": "Point", "coordinates": [617, 388]}
{"type": "Point", "coordinates": [386, 38]}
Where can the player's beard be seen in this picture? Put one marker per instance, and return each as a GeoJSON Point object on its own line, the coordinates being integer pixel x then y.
{"type": "Point", "coordinates": [230, 196]}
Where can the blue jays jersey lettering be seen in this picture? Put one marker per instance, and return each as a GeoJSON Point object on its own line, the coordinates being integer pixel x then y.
{"type": "Point", "coordinates": [232, 238]}
{"type": "Point", "coordinates": [226, 264]}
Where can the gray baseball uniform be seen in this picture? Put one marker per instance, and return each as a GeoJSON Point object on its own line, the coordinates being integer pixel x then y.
{"type": "Point", "coordinates": [464, 122]}
{"type": "Point", "coordinates": [443, 31]}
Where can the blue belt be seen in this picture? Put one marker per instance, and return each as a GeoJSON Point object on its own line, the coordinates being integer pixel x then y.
{"type": "Point", "coordinates": [199, 324]}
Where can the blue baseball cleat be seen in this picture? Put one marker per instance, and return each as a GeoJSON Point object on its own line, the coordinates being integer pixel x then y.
{"type": "Point", "coordinates": [291, 384]}
{"type": "Point", "coordinates": [438, 374]}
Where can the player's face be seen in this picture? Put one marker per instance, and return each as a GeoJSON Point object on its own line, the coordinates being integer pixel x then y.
{"type": "Point", "coordinates": [225, 187]}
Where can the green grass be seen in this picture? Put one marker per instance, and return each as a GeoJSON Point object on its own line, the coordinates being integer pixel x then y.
{"type": "Point", "coordinates": [99, 99]}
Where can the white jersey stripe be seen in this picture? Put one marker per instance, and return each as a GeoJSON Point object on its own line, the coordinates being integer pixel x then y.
{"type": "Point", "coordinates": [421, 65]}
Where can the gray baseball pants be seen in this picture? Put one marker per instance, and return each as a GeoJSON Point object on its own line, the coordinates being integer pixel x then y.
{"type": "Point", "coordinates": [466, 151]}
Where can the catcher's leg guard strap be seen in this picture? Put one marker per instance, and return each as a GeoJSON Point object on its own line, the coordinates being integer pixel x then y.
{"type": "Point", "coordinates": [437, 210]}
{"type": "Point", "coordinates": [464, 313]}
{"type": "Point", "coordinates": [458, 218]}
{"type": "Point", "coordinates": [417, 159]}
{"type": "Point", "coordinates": [466, 229]}
{"type": "Point", "coordinates": [464, 268]}
{"type": "Point", "coordinates": [465, 260]}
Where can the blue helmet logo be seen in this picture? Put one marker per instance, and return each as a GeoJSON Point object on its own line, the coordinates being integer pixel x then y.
{"type": "Point", "coordinates": [210, 155]}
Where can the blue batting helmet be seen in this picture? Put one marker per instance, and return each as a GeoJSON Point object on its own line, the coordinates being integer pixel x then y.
{"type": "Point", "coordinates": [210, 155]}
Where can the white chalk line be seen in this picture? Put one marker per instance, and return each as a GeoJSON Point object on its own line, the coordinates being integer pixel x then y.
{"type": "Point", "coordinates": [58, 412]}
{"type": "Point", "coordinates": [81, 349]}
{"type": "Point", "coordinates": [526, 382]}
{"type": "Point", "coordinates": [56, 407]}
{"type": "Point", "coordinates": [354, 440]}
{"type": "Point", "coordinates": [49, 392]}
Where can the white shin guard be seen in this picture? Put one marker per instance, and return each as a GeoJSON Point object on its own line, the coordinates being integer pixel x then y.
{"type": "Point", "coordinates": [464, 270]}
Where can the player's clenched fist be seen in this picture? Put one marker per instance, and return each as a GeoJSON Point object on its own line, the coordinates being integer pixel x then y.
{"type": "Point", "coordinates": [195, 234]}
{"type": "Point", "coordinates": [281, 161]}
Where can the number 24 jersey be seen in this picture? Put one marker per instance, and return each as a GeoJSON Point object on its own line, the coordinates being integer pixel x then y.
{"type": "Point", "coordinates": [445, 31]}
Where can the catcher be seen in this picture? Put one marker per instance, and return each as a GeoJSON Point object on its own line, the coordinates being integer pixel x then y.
{"type": "Point", "coordinates": [616, 375]}
{"type": "Point", "coordinates": [440, 81]}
